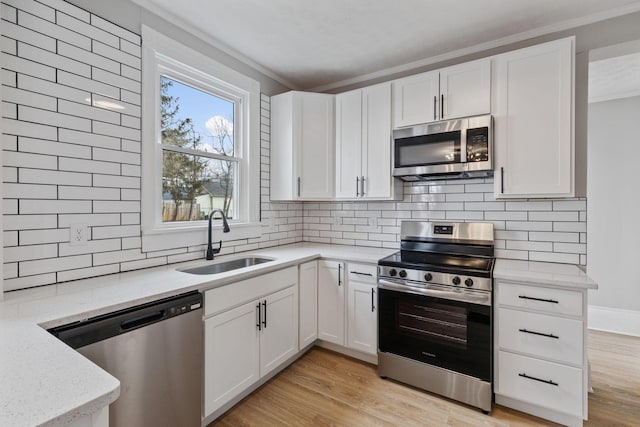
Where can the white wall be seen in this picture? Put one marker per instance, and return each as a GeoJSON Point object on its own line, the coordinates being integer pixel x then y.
{"type": "Point", "coordinates": [69, 161]}
{"type": "Point", "coordinates": [613, 210]}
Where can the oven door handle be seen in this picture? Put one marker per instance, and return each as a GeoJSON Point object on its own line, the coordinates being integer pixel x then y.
{"type": "Point", "coordinates": [437, 291]}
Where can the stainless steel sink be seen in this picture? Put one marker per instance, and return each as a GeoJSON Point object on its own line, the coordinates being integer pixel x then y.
{"type": "Point", "coordinates": [225, 266]}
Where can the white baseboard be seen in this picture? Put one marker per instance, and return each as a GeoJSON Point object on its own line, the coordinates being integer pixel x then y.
{"type": "Point", "coordinates": [617, 320]}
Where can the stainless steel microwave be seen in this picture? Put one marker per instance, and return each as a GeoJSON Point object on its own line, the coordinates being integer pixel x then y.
{"type": "Point", "coordinates": [449, 149]}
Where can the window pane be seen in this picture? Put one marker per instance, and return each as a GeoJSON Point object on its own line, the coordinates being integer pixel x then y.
{"type": "Point", "coordinates": [195, 119]}
{"type": "Point", "coordinates": [193, 185]}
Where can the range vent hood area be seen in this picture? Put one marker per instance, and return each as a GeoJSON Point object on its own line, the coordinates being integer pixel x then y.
{"type": "Point", "coordinates": [445, 176]}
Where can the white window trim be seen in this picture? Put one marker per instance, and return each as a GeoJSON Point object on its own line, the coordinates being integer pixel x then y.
{"type": "Point", "coordinates": [163, 55]}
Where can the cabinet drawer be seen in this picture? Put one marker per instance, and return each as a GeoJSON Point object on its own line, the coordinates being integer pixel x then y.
{"type": "Point", "coordinates": [523, 378]}
{"type": "Point", "coordinates": [228, 296]}
{"type": "Point", "coordinates": [526, 332]}
{"type": "Point", "coordinates": [367, 273]}
{"type": "Point", "coordinates": [550, 300]}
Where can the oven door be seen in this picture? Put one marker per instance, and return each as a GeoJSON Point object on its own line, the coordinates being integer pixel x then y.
{"type": "Point", "coordinates": [450, 334]}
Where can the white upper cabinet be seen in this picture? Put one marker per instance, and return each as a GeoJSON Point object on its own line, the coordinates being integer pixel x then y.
{"type": "Point", "coordinates": [533, 121]}
{"type": "Point", "coordinates": [363, 144]}
{"type": "Point", "coordinates": [302, 146]}
{"type": "Point", "coordinates": [457, 91]}
{"type": "Point", "coordinates": [465, 90]}
{"type": "Point", "coordinates": [415, 99]}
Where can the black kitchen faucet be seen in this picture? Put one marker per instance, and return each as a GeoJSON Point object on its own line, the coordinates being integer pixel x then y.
{"type": "Point", "coordinates": [225, 229]}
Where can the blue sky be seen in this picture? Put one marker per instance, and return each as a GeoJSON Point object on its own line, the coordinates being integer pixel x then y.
{"type": "Point", "coordinates": [199, 106]}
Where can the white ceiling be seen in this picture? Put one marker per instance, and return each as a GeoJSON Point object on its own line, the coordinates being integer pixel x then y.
{"type": "Point", "coordinates": [322, 44]}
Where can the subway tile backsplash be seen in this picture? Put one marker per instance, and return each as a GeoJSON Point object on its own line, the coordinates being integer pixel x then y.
{"type": "Point", "coordinates": [534, 230]}
{"type": "Point", "coordinates": [68, 161]}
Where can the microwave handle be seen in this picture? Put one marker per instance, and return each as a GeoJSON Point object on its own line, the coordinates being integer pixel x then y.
{"type": "Point", "coordinates": [463, 144]}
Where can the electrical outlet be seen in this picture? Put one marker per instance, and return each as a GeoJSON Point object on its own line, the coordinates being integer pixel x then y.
{"type": "Point", "coordinates": [78, 234]}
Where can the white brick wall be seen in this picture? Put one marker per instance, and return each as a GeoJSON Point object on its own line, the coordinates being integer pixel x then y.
{"type": "Point", "coordinates": [540, 230]}
{"type": "Point", "coordinates": [67, 160]}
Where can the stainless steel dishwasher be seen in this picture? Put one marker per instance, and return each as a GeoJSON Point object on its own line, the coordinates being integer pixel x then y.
{"type": "Point", "coordinates": [156, 351]}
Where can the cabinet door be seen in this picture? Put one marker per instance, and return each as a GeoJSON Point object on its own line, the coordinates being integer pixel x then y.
{"type": "Point", "coordinates": [348, 143]}
{"type": "Point", "coordinates": [376, 146]}
{"type": "Point", "coordinates": [279, 336]}
{"type": "Point", "coordinates": [465, 90]}
{"type": "Point", "coordinates": [362, 318]}
{"type": "Point", "coordinates": [231, 351]}
{"type": "Point", "coordinates": [331, 301]}
{"type": "Point", "coordinates": [533, 121]}
{"type": "Point", "coordinates": [415, 99]}
{"type": "Point", "coordinates": [315, 145]}
{"type": "Point", "coordinates": [308, 297]}
{"type": "Point", "coordinates": [282, 174]}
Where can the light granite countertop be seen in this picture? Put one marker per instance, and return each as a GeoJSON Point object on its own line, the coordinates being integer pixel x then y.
{"type": "Point", "coordinates": [543, 273]}
{"type": "Point", "coordinates": [45, 382]}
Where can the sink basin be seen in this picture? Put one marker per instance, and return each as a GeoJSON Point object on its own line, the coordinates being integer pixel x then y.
{"type": "Point", "coordinates": [225, 266]}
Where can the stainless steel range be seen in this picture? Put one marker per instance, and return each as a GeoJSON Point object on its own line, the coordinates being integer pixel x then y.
{"type": "Point", "coordinates": [434, 310]}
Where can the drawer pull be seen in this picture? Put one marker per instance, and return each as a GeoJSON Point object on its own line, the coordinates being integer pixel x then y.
{"type": "Point", "coordinates": [361, 274]}
{"type": "Point", "coordinates": [539, 333]}
{"type": "Point", "coordinates": [538, 299]}
{"type": "Point", "coordinates": [538, 379]}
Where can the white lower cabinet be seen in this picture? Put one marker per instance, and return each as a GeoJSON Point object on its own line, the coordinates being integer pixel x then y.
{"type": "Point", "coordinates": [232, 354]}
{"type": "Point", "coordinates": [543, 383]}
{"type": "Point", "coordinates": [540, 351]}
{"type": "Point", "coordinates": [331, 293]}
{"type": "Point", "coordinates": [279, 332]}
{"type": "Point", "coordinates": [362, 314]}
{"type": "Point", "coordinates": [246, 342]}
{"type": "Point", "coordinates": [308, 310]}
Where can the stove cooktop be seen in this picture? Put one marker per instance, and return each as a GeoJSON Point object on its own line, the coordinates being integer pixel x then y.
{"type": "Point", "coordinates": [440, 262]}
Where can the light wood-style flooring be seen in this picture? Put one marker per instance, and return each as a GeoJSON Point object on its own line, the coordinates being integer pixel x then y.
{"type": "Point", "coordinates": [328, 389]}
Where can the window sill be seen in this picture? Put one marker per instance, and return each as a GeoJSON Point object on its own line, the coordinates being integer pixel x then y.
{"type": "Point", "coordinates": [164, 238]}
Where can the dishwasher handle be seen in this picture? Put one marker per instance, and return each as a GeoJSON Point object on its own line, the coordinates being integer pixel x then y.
{"type": "Point", "coordinates": [139, 321]}
{"type": "Point", "coordinates": [99, 328]}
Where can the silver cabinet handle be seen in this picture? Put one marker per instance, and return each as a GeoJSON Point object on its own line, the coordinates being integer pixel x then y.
{"type": "Point", "coordinates": [298, 186]}
{"type": "Point", "coordinates": [357, 186]}
{"type": "Point", "coordinates": [362, 184]}
{"type": "Point", "coordinates": [373, 296]}
{"type": "Point", "coordinates": [339, 274]}
{"type": "Point", "coordinates": [441, 107]}
{"type": "Point", "coordinates": [501, 180]}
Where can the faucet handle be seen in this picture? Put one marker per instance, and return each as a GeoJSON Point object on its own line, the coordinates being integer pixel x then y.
{"type": "Point", "coordinates": [217, 250]}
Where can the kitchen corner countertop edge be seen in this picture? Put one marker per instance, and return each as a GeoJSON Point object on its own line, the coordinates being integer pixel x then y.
{"type": "Point", "coordinates": [543, 273]}
{"type": "Point", "coordinates": [43, 382]}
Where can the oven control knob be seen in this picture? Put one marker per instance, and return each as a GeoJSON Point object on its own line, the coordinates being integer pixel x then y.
{"type": "Point", "coordinates": [402, 274]}
{"type": "Point", "coordinates": [456, 280]}
{"type": "Point", "coordinates": [392, 272]}
{"type": "Point", "coordinates": [469, 283]}
{"type": "Point", "coordinates": [428, 277]}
